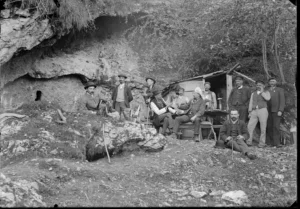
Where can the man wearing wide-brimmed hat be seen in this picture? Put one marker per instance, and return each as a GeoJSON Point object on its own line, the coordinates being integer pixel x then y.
{"type": "Point", "coordinates": [239, 98]}
{"type": "Point", "coordinates": [150, 88]}
{"type": "Point", "coordinates": [122, 96]}
{"type": "Point", "coordinates": [161, 111]}
{"type": "Point", "coordinates": [91, 101]}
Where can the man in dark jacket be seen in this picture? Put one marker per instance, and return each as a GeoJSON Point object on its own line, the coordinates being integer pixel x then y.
{"type": "Point", "coordinates": [121, 96]}
{"type": "Point", "coordinates": [148, 94]}
{"type": "Point", "coordinates": [275, 107]}
{"type": "Point", "coordinates": [239, 98]}
{"type": "Point", "coordinates": [193, 114]}
{"type": "Point", "coordinates": [91, 101]}
{"type": "Point", "coordinates": [234, 133]}
{"type": "Point", "coordinates": [162, 111]}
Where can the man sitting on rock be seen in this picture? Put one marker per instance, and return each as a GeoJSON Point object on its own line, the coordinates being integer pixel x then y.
{"type": "Point", "coordinates": [91, 101]}
{"type": "Point", "coordinates": [161, 110]}
{"type": "Point", "coordinates": [193, 114]}
{"type": "Point", "coordinates": [234, 133]}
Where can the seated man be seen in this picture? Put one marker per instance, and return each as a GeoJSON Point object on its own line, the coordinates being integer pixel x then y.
{"type": "Point", "coordinates": [161, 111]}
{"type": "Point", "coordinates": [234, 133]}
{"type": "Point", "coordinates": [192, 114]}
{"type": "Point", "coordinates": [91, 101]}
{"type": "Point", "coordinates": [181, 102]}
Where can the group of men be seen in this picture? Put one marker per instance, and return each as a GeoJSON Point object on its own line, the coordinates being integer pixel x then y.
{"type": "Point", "coordinates": [264, 105]}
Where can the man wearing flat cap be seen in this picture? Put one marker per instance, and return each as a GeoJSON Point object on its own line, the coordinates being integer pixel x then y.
{"type": "Point", "coordinates": [122, 96]}
{"type": "Point", "coordinates": [239, 98]}
{"type": "Point", "coordinates": [91, 101]}
{"type": "Point", "coordinates": [162, 111]}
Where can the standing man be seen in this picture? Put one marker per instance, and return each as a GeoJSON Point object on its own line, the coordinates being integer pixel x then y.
{"type": "Point", "coordinates": [211, 104]}
{"type": "Point", "coordinates": [239, 98]}
{"type": "Point", "coordinates": [275, 107]}
{"type": "Point", "coordinates": [91, 101]}
{"type": "Point", "coordinates": [193, 114]}
{"type": "Point", "coordinates": [121, 96]}
{"type": "Point", "coordinates": [258, 112]}
{"type": "Point", "coordinates": [151, 87]}
{"type": "Point", "coordinates": [233, 134]}
{"type": "Point", "coordinates": [162, 111]}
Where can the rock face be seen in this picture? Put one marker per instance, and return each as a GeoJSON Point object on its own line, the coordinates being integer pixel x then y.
{"type": "Point", "coordinates": [19, 193]}
{"type": "Point", "coordinates": [22, 33]}
{"type": "Point", "coordinates": [41, 135]}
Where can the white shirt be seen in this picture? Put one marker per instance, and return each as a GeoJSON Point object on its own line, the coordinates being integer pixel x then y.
{"type": "Point", "coordinates": [162, 110]}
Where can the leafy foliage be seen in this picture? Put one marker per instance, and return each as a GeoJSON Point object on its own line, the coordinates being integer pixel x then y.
{"type": "Point", "coordinates": [196, 37]}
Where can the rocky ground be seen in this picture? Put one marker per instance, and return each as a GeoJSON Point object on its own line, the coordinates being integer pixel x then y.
{"type": "Point", "coordinates": [184, 173]}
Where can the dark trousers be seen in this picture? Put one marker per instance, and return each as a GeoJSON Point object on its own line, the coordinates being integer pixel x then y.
{"type": "Point", "coordinates": [184, 119]}
{"type": "Point", "coordinates": [238, 145]}
{"type": "Point", "coordinates": [273, 129]}
{"type": "Point", "coordinates": [163, 120]}
{"type": "Point", "coordinates": [243, 112]}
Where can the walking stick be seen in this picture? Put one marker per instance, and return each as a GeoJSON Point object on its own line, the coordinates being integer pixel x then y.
{"type": "Point", "coordinates": [106, 146]}
{"type": "Point", "coordinates": [232, 150]}
{"type": "Point", "coordinates": [147, 114]}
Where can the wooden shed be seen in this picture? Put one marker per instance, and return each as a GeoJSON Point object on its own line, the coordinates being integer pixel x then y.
{"type": "Point", "coordinates": [221, 84]}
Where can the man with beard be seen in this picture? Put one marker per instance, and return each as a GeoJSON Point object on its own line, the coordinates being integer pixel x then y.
{"type": "Point", "coordinates": [193, 114]}
{"type": "Point", "coordinates": [275, 108]}
{"type": "Point", "coordinates": [233, 134]}
{"type": "Point", "coordinates": [162, 111]}
{"type": "Point", "coordinates": [91, 101]}
{"type": "Point", "coordinates": [121, 96]}
{"type": "Point", "coordinates": [239, 98]}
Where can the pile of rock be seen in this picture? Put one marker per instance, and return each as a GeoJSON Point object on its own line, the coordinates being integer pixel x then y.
{"type": "Point", "coordinates": [19, 193]}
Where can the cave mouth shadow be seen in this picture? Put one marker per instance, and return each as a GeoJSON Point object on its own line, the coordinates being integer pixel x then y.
{"type": "Point", "coordinates": [38, 95]}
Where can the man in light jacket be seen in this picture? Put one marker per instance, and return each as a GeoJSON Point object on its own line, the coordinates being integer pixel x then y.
{"type": "Point", "coordinates": [258, 112]}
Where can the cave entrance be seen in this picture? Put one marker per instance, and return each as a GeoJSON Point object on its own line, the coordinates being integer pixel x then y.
{"type": "Point", "coordinates": [38, 96]}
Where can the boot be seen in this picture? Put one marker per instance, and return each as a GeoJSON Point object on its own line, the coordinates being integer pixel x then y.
{"type": "Point", "coordinates": [196, 138]}
{"type": "Point", "coordinates": [250, 156]}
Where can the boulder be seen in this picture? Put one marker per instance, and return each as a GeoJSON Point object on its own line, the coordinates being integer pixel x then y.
{"type": "Point", "coordinates": [117, 136]}
{"type": "Point", "coordinates": [239, 197]}
{"type": "Point", "coordinates": [19, 193]}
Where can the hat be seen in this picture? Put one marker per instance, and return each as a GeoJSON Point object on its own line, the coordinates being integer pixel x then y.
{"type": "Point", "coordinates": [122, 75]}
{"type": "Point", "coordinates": [156, 91]}
{"type": "Point", "coordinates": [88, 84]}
{"type": "Point", "coordinates": [259, 81]}
{"type": "Point", "coordinates": [151, 79]}
{"type": "Point", "coordinates": [238, 77]}
{"type": "Point", "coordinates": [199, 91]}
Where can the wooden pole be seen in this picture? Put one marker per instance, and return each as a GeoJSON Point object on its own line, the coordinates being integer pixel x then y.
{"type": "Point", "coordinates": [250, 79]}
{"type": "Point", "coordinates": [106, 146]}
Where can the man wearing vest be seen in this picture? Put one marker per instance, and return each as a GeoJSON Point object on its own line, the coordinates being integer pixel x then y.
{"type": "Point", "coordinates": [258, 112]}
{"type": "Point", "coordinates": [121, 96]}
{"type": "Point", "coordinates": [233, 134]}
{"type": "Point", "coordinates": [193, 114]}
{"type": "Point", "coordinates": [275, 107]}
{"type": "Point", "coordinates": [239, 98]}
{"type": "Point", "coordinates": [161, 110]}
